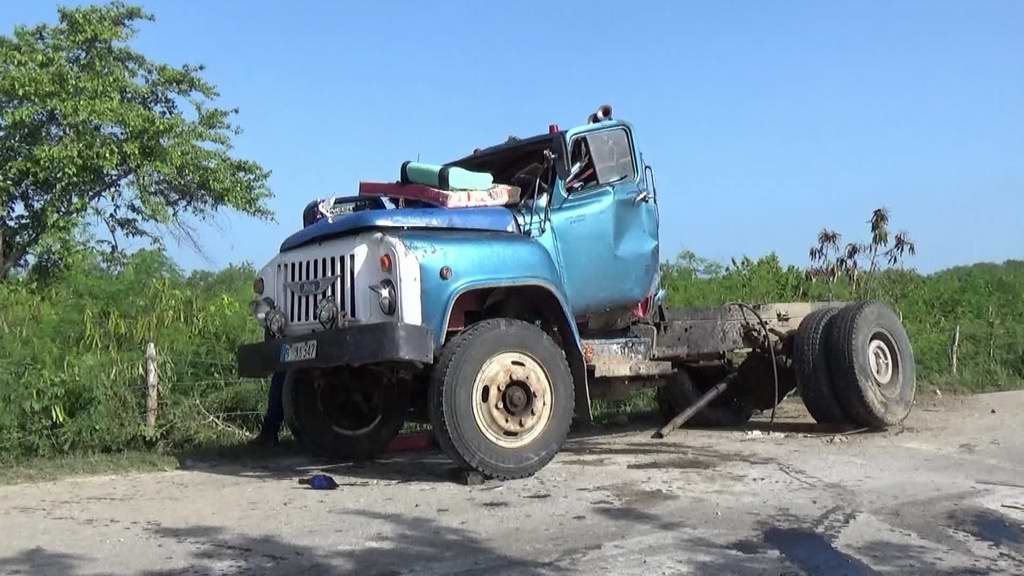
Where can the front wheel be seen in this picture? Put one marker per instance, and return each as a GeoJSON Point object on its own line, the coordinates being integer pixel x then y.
{"type": "Point", "coordinates": [344, 413]}
{"type": "Point", "coordinates": [501, 398]}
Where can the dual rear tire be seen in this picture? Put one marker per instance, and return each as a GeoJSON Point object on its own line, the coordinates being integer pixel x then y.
{"type": "Point", "coordinates": [855, 365]}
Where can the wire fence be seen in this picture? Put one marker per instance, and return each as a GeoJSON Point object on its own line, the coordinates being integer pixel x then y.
{"type": "Point", "coordinates": [112, 401]}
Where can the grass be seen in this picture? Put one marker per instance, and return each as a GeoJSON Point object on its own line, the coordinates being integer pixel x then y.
{"type": "Point", "coordinates": [37, 470]}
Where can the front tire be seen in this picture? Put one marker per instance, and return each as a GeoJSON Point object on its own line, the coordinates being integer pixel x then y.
{"type": "Point", "coordinates": [344, 413]}
{"type": "Point", "coordinates": [501, 398]}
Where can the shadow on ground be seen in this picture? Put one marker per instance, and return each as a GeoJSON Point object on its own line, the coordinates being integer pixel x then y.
{"type": "Point", "coordinates": [289, 460]}
{"type": "Point", "coordinates": [407, 545]}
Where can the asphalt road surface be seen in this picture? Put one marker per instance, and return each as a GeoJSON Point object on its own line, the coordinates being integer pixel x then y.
{"type": "Point", "coordinates": [944, 494]}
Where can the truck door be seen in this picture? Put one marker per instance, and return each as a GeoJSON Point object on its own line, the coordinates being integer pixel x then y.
{"type": "Point", "coordinates": [606, 228]}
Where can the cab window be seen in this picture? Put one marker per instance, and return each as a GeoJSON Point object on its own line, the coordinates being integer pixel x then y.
{"type": "Point", "coordinates": [603, 157]}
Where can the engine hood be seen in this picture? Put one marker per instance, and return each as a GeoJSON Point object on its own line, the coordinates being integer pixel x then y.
{"type": "Point", "coordinates": [490, 218]}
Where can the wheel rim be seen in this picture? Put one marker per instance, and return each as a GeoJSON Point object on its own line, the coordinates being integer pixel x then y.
{"type": "Point", "coordinates": [511, 399]}
{"type": "Point", "coordinates": [351, 409]}
{"type": "Point", "coordinates": [883, 362]}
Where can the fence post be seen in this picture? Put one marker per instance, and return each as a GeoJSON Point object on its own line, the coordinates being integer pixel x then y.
{"type": "Point", "coordinates": [954, 349]}
{"type": "Point", "coordinates": [152, 389]}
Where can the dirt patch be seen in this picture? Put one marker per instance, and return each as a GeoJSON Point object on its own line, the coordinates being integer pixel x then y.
{"type": "Point", "coordinates": [629, 494]}
{"type": "Point", "coordinates": [674, 464]}
{"type": "Point", "coordinates": [584, 462]}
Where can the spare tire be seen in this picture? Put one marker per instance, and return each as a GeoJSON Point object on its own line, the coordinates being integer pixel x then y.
{"type": "Point", "coordinates": [872, 364]}
{"type": "Point", "coordinates": [685, 387]}
{"type": "Point", "coordinates": [810, 360]}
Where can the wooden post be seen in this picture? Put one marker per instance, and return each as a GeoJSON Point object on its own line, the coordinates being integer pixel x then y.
{"type": "Point", "coordinates": [152, 389]}
{"type": "Point", "coordinates": [954, 349]}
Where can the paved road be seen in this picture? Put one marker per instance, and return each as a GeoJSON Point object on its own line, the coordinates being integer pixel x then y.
{"type": "Point", "coordinates": [943, 495]}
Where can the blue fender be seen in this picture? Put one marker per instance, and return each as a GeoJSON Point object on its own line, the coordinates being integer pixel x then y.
{"type": "Point", "coordinates": [484, 259]}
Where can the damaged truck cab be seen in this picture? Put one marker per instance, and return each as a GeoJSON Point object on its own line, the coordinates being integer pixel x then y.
{"type": "Point", "coordinates": [491, 296]}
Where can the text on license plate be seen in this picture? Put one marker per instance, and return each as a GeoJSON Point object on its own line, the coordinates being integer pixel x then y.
{"type": "Point", "coordinates": [298, 351]}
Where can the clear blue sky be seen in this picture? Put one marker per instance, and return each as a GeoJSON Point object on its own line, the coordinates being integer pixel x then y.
{"type": "Point", "coordinates": [764, 120]}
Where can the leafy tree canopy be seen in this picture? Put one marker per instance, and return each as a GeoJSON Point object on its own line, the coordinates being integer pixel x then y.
{"type": "Point", "coordinates": [93, 131]}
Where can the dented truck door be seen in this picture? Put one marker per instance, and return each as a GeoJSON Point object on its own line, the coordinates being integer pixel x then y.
{"type": "Point", "coordinates": [606, 225]}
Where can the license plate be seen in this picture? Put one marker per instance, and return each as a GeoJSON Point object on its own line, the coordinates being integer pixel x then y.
{"type": "Point", "coordinates": [298, 351]}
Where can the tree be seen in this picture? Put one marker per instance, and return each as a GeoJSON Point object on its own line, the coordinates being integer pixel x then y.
{"type": "Point", "coordinates": [828, 261]}
{"type": "Point", "coordinates": [93, 132]}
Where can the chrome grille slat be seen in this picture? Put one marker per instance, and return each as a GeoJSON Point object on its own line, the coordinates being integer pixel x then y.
{"type": "Point", "coordinates": [302, 309]}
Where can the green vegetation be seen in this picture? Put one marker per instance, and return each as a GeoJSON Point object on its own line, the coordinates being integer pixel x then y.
{"type": "Point", "coordinates": [72, 346]}
{"type": "Point", "coordinates": [72, 351]}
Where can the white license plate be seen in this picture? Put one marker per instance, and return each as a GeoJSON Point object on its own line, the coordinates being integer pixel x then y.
{"type": "Point", "coordinates": [298, 351]}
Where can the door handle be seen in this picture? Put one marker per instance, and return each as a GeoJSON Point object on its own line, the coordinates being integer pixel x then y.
{"type": "Point", "coordinates": [643, 196]}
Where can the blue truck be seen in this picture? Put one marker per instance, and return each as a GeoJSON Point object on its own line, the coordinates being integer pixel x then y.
{"type": "Point", "coordinates": [498, 322]}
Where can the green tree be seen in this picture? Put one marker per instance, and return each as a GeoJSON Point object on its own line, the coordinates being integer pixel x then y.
{"type": "Point", "coordinates": [93, 132]}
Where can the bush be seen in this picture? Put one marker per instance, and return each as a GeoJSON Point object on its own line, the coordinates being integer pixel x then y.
{"type": "Point", "coordinates": [72, 351]}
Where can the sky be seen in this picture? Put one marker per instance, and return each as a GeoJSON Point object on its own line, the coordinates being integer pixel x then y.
{"type": "Point", "coordinates": [764, 121]}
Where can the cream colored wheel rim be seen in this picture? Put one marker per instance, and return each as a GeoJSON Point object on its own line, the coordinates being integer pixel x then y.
{"type": "Point", "coordinates": [880, 361]}
{"type": "Point", "coordinates": [511, 399]}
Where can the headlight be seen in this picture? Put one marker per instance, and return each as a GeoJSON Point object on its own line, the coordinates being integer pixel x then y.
{"type": "Point", "coordinates": [257, 286]}
{"type": "Point", "coordinates": [387, 296]}
{"type": "Point", "coordinates": [275, 321]}
{"type": "Point", "coordinates": [260, 306]}
{"type": "Point", "coordinates": [327, 312]}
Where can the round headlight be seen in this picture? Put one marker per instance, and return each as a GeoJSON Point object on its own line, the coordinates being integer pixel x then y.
{"type": "Point", "coordinates": [387, 296]}
{"type": "Point", "coordinates": [276, 322]}
{"type": "Point", "coordinates": [257, 286]}
{"type": "Point", "coordinates": [327, 312]}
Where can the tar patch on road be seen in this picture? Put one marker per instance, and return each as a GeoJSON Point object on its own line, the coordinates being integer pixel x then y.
{"type": "Point", "coordinates": [813, 553]}
{"type": "Point", "coordinates": [990, 526]}
{"type": "Point", "coordinates": [809, 545]}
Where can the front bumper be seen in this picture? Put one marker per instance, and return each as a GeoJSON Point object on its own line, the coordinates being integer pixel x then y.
{"type": "Point", "coordinates": [352, 345]}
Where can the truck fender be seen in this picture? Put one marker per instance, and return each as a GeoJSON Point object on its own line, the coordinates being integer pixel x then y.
{"type": "Point", "coordinates": [556, 311]}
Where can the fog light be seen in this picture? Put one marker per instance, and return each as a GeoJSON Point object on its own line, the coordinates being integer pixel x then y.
{"type": "Point", "coordinates": [276, 322]}
{"type": "Point", "coordinates": [387, 296]}
{"type": "Point", "coordinates": [327, 312]}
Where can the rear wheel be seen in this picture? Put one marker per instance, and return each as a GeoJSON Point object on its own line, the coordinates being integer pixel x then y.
{"type": "Point", "coordinates": [350, 414]}
{"type": "Point", "coordinates": [501, 398]}
{"type": "Point", "coordinates": [686, 386]}
{"type": "Point", "coordinates": [872, 364]}
{"type": "Point", "coordinates": [810, 359]}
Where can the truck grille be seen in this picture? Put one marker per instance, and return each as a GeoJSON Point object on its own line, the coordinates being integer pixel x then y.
{"type": "Point", "coordinates": [301, 305]}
